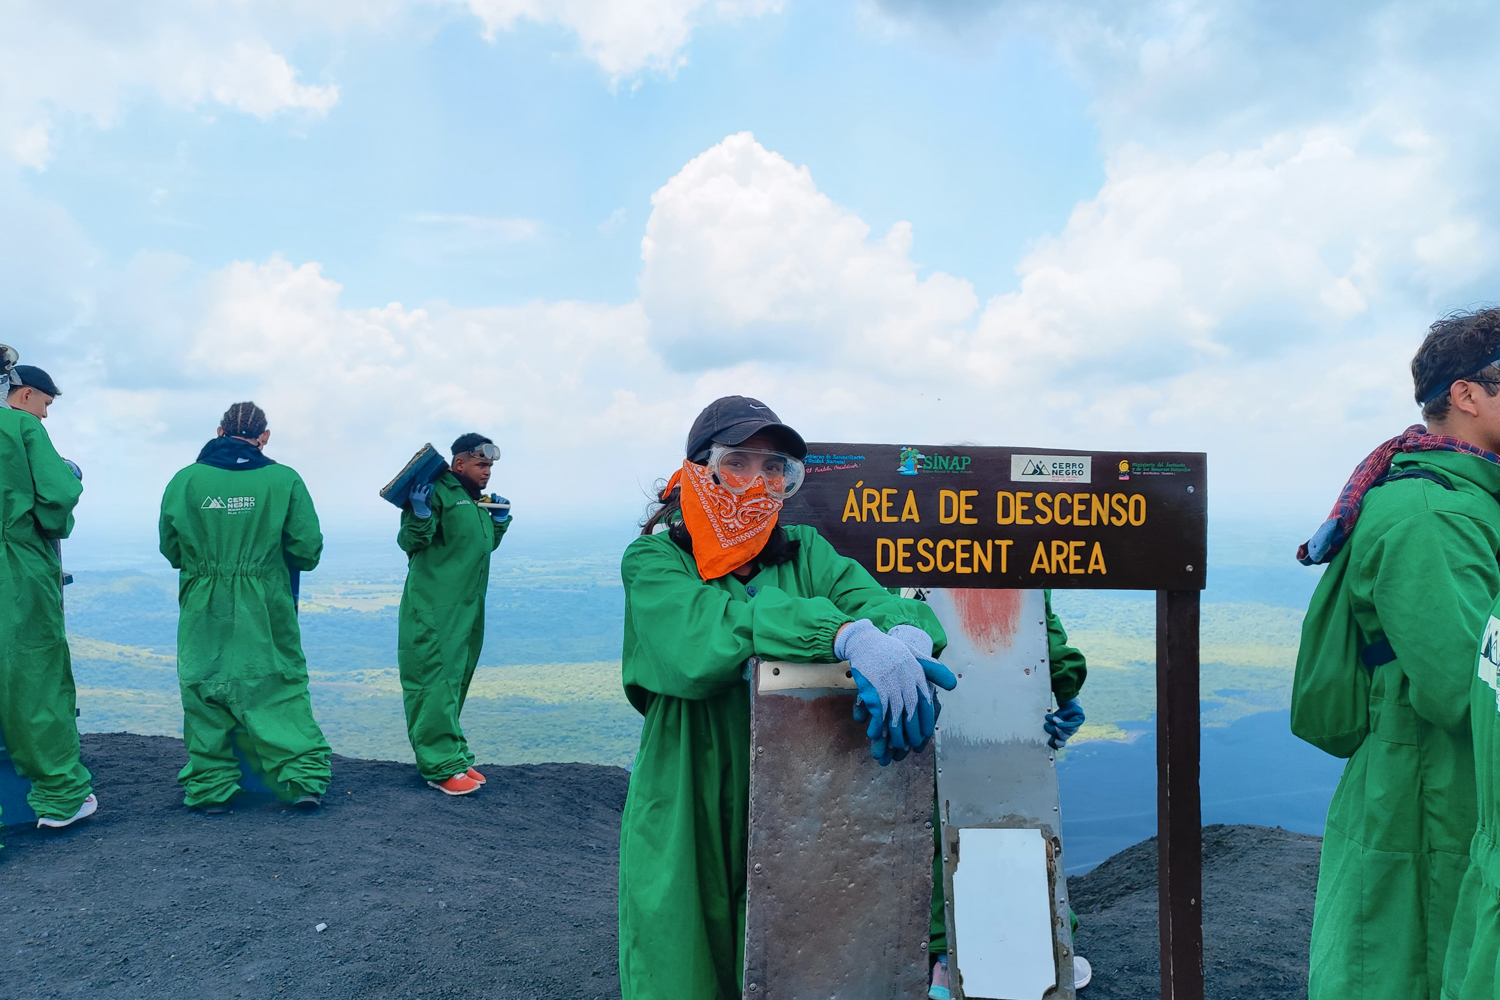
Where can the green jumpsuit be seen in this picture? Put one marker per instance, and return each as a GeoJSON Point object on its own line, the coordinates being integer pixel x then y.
{"type": "Point", "coordinates": [37, 699]}
{"type": "Point", "coordinates": [1422, 573]}
{"type": "Point", "coordinates": [683, 834]}
{"type": "Point", "coordinates": [233, 532]}
{"type": "Point", "coordinates": [442, 621]}
{"type": "Point", "coordinates": [1473, 963]}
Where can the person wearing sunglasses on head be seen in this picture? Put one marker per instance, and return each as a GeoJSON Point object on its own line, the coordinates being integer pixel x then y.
{"type": "Point", "coordinates": [713, 580]}
{"type": "Point", "coordinates": [448, 530]}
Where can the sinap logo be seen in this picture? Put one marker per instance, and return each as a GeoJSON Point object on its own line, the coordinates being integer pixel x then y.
{"type": "Point", "coordinates": [913, 461]}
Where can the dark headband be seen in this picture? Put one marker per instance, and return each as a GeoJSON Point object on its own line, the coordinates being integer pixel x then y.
{"type": "Point", "coordinates": [1447, 382]}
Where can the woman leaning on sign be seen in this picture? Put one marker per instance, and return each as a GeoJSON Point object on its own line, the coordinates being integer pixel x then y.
{"type": "Point", "coordinates": [712, 581]}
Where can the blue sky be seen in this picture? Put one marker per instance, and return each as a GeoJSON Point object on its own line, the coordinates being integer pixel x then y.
{"type": "Point", "coordinates": [1211, 225]}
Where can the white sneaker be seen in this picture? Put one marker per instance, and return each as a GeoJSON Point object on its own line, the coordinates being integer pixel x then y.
{"type": "Point", "coordinates": [89, 807]}
{"type": "Point", "coordinates": [1083, 973]}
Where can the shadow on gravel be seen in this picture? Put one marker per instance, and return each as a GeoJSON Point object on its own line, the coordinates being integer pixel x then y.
{"type": "Point", "coordinates": [509, 893]}
{"type": "Point", "coordinates": [1258, 887]}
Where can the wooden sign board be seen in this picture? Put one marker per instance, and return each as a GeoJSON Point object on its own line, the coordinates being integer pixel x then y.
{"type": "Point", "coordinates": [1024, 518]}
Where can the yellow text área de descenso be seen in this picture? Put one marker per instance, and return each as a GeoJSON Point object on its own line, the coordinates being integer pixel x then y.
{"type": "Point", "coordinates": [972, 556]}
{"type": "Point", "coordinates": [1019, 507]}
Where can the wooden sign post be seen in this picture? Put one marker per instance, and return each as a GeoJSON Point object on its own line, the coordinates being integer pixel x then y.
{"type": "Point", "coordinates": [969, 517]}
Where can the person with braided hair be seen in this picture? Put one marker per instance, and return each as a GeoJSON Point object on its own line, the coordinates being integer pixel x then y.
{"type": "Point", "coordinates": [237, 526]}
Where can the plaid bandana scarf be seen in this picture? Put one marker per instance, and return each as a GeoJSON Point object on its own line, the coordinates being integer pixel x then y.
{"type": "Point", "coordinates": [728, 529]}
{"type": "Point", "coordinates": [1334, 532]}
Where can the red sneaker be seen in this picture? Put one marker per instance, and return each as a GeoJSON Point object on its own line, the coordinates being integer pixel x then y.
{"type": "Point", "coordinates": [459, 784]}
{"type": "Point", "coordinates": [474, 775]}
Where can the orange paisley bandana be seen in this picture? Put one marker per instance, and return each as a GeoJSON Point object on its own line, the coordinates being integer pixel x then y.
{"type": "Point", "coordinates": [728, 529]}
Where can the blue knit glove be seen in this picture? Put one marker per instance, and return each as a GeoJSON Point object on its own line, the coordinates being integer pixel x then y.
{"type": "Point", "coordinates": [1062, 725]}
{"type": "Point", "coordinates": [419, 497]}
{"type": "Point", "coordinates": [892, 689]}
{"type": "Point", "coordinates": [500, 515]}
{"type": "Point", "coordinates": [73, 467]}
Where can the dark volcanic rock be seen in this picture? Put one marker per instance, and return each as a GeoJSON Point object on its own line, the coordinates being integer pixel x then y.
{"type": "Point", "coordinates": [506, 893]}
{"type": "Point", "coordinates": [509, 893]}
{"type": "Point", "coordinates": [1258, 885]}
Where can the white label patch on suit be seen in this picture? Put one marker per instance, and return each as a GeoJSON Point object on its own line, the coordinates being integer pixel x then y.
{"type": "Point", "coordinates": [238, 505]}
{"type": "Point", "coordinates": [1489, 657]}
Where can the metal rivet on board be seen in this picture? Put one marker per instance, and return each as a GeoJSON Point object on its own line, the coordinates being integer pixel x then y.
{"type": "Point", "coordinates": [1028, 671]}
{"type": "Point", "coordinates": [775, 671]}
{"type": "Point", "coordinates": [757, 867]}
{"type": "Point", "coordinates": [1190, 567]}
{"type": "Point", "coordinates": [753, 987]}
{"type": "Point", "coordinates": [760, 749]}
{"type": "Point", "coordinates": [1054, 809]}
{"type": "Point", "coordinates": [923, 946]}
{"type": "Point", "coordinates": [1190, 489]}
{"type": "Point", "coordinates": [927, 825]}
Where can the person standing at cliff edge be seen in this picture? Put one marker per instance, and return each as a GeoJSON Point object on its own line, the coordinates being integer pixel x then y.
{"type": "Point", "coordinates": [448, 539]}
{"type": "Point", "coordinates": [1383, 674]}
{"type": "Point", "coordinates": [38, 491]}
{"type": "Point", "coordinates": [237, 524]}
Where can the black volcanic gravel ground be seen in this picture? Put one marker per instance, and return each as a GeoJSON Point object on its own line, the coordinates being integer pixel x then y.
{"type": "Point", "coordinates": [1258, 885]}
{"type": "Point", "coordinates": [506, 893]}
{"type": "Point", "coordinates": [509, 893]}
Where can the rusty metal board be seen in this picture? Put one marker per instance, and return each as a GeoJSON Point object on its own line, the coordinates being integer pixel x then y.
{"type": "Point", "coordinates": [995, 770]}
{"type": "Point", "coordinates": [840, 852]}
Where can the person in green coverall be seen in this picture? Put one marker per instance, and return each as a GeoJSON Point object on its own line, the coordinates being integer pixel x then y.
{"type": "Point", "coordinates": [38, 491]}
{"type": "Point", "coordinates": [1419, 575]}
{"type": "Point", "coordinates": [709, 584]}
{"type": "Point", "coordinates": [237, 525]}
{"type": "Point", "coordinates": [448, 539]}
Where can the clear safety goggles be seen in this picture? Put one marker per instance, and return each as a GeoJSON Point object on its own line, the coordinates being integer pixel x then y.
{"type": "Point", "coordinates": [486, 450]}
{"type": "Point", "coordinates": [737, 469]}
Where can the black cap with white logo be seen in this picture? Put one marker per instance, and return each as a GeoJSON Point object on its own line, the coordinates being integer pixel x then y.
{"type": "Point", "coordinates": [736, 419]}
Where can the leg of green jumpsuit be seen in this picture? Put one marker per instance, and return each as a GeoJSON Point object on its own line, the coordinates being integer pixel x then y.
{"type": "Point", "coordinates": [38, 717]}
{"type": "Point", "coordinates": [212, 774]}
{"type": "Point", "coordinates": [435, 676]}
{"type": "Point", "coordinates": [937, 930]}
{"type": "Point", "coordinates": [285, 742]}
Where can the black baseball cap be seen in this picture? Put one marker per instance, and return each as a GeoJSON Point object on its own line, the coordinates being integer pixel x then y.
{"type": "Point", "coordinates": [36, 378]}
{"type": "Point", "coordinates": [735, 419]}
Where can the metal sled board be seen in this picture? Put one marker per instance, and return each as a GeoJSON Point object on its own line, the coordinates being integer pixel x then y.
{"type": "Point", "coordinates": [996, 772]}
{"type": "Point", "coordinates": [840, 851]}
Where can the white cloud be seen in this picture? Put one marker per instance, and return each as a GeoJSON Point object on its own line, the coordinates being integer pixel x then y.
{"type": "Point", "coordinates": [1230, 303]}
{"type": "Point", "coordinates": [624, 37]}
{"type": "Point", "coordinates": [91, 59]}
{"type": "Point", "coordinates": [746, 259]}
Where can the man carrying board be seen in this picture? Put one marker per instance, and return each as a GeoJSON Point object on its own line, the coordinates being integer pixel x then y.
{"type": "Point", "coordinates": [448, 531]}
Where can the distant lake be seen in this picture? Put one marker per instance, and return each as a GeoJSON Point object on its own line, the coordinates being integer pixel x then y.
{"type": "Point", "coordinates": [1253, 771]}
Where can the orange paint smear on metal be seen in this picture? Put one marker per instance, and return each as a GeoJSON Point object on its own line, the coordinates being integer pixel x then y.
{"type": "Point", "coordinates": [988, 617]}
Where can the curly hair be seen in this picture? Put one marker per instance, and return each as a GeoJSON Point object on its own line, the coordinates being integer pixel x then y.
{"type": "Point", "coordinates": [244, 420]}
{"type": "Point", "coordinates": [1460, 346]}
